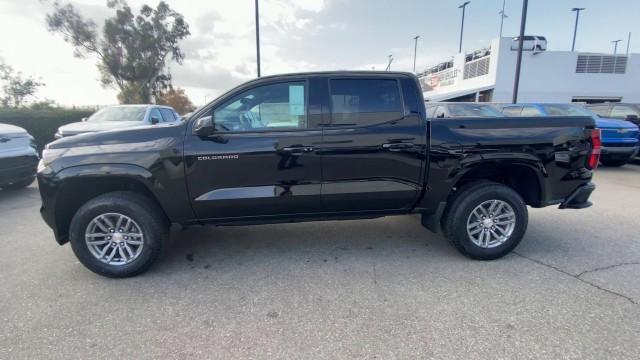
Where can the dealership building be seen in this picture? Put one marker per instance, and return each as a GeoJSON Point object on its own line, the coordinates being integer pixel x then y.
{"type": "Point", "coordinates": [487, 75]}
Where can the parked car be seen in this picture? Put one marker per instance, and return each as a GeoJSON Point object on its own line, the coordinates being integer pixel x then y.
{"type": "Point", "coordinates": [460, 109]}
{"type": "Point", "coordinates": [119, 117]}
{"type": "Point", "coordinates": [313, 146]}
{"type": "Point", "coordinates": [619, 137]}
{"type": "Point", "coordinates": [622, 111]}
{"type": "Point", "coordinates": [530, 43]}
{"type": "Point", "coordinates": [18, 157]}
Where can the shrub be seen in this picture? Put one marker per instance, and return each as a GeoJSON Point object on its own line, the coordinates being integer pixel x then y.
{"type": "Point", "coordinates": [42, 123]}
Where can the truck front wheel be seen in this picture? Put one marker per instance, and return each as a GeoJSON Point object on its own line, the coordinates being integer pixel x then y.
{"type": "Point", "coordinates": [118, 234]}
{"type": "Point", "coordinates": [485, 220]}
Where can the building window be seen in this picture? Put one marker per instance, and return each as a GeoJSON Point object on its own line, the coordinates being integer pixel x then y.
{"type": "Point", "coordinates": [601, 64]}
{"type": "Point", "coordinates": [477, 67]}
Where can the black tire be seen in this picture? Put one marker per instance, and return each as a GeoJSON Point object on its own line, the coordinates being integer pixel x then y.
{"type": "Point", "coordinates": [142, 210]}
{"type": "Point", "coordinates": [465, 200]}
{"type": "Point", "coordinates": [20, 184]}
{"type": "Point", "coordinates": [613, 162]}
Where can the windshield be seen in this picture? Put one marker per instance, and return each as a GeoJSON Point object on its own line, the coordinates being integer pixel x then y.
{"type": "Point", "coordinates": [566, 110]}
{"type": "Point", "coordinates": [473, 110]}
{"type": "Point", "coordinates": [119, 113]}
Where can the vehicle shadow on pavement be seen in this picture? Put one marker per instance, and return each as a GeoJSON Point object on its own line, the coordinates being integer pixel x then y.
{"type": "Point", "coordinates": [331, 242]}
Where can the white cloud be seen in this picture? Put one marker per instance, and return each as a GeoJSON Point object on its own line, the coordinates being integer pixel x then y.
{"type": "Point", "coordinates": [220, 53]}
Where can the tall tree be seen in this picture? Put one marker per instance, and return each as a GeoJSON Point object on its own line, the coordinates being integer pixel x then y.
{"type": "Point", "coordinates": [16, 88]}
{"type": "Point", "coordinates": [177, 99]}
{"type": "Point", "coordinates": [132, 49]}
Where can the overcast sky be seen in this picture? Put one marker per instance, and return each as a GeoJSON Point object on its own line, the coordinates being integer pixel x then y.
{"type": "Point", "coordinates": [303, 35]}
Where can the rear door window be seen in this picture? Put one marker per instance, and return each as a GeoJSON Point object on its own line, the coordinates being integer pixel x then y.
{"type": "Point", "coordinates": [155, 113]}
{"type": "Point", "coordinates": [602, 110]}
{"type": "Point", "coordinates": [621, 111]}
{"type": "Point", "coordinates": [531, 111]}
{"type": "Point", "coordinates": [167, 115]}
{"type": "Point", "coordinates": [512, 110]}
{"type": "Point", "coordinates": [430, 111]}
{"type": "Point", "coordinates": [356, 102]}
{"type": "Point", "coordinates": [440, 112]}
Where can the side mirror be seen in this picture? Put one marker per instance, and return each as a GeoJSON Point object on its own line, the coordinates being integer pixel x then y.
{"type": "Point", "coordinates": [204, 126]}
{"type": "Point", "coordinates": [632, 118]}
{"type": "Point", "coordinates": [154, 120]}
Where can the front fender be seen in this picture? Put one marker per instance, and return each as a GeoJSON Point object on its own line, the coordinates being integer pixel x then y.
{"type": "Point", "coordinates": [64, 191]}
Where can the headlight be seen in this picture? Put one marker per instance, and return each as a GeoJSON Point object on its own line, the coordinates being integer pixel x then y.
{"type": "Point", "coordinates": [51, 155]}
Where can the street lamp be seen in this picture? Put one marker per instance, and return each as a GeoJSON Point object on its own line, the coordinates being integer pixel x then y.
{"type": "Point", "coordinates": [503, 16]}
{"type": "Point", "coordinates": [258, 38]}
{"type": "Point", "coordinates": [615, 46]}
{"type": "Point", "coordinates": [463, 7]}
{"type": "Point", "coordinates": [415, 50]}
{"type": "Point", "coordinates": [575, 28]}
{"type": "Point", "coordinates": [523, 22]}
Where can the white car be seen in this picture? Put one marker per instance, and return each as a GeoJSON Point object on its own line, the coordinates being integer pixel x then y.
{"type": "Point", "coordinates": [118, 117]}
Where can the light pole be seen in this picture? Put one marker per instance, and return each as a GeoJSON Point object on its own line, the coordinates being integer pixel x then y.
{"type": "Point", "coordinates": [415, 50]}
{"type": "Point", "coordinates": [523, 22]}
{"type": "Point", "coordinates": [463, 7]}
{"type": "Point", "coordinates": [615, 46]}
{"type": "Point", "coordinates": [258, 38]}
{"type": "Point", "coordinates": [575, 28]}
{"type": "Point", "coordinates": [502, 16]}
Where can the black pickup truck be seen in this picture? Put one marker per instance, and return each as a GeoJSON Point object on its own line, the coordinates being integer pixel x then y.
{"type": "Point", "coordinates": [312, 146]}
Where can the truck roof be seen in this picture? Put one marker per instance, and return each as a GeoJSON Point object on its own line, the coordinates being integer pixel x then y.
{"type": "Point", "coordinates": [340, 72]}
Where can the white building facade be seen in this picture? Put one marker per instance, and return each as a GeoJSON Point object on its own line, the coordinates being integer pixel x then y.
{"type": "Point", "coordinates": [487, 75]}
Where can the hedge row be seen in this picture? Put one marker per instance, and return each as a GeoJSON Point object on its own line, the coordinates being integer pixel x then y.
{"type": "Point", "coordinates": [42, 124]}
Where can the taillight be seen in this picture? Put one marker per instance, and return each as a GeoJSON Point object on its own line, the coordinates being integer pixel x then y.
{"type": "Point", "coordinates": [596, 144]}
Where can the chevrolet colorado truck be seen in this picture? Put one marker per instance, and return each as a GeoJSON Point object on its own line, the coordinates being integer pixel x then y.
{"type": "Point", "coordinates": [312, 146]}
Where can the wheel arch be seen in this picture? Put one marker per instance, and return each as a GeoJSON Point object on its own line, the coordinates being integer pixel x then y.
{"type": "Point", "coordinates": [77, 185]}
{"type": "Point", "coordinates": [526, 178]}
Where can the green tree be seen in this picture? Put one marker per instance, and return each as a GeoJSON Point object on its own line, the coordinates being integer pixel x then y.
{"type": "Point", "coordinates": [132, 49]}
{"type": "Point", "coordinates": [16, 88]}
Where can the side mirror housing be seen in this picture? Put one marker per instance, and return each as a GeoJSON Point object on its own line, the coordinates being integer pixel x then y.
{"type": "Point", "coordinates": [632, 118]}
{"type": "Point", "coordinates": [154, 120]}
{"type": "Point", "coordinates": [204, 126]}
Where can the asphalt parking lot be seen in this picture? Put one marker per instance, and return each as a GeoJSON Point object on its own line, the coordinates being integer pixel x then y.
{"type": "Point", "coordinates": [384, 288]}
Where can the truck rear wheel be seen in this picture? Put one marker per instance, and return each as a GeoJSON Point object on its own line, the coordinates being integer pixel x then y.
{"type": "Point", "coordinates": [118, 234]}
{"type": "Point", "coordinates": [486, 220]}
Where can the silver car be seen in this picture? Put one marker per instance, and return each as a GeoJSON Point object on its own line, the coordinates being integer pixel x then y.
{"type": "Point", "coordinates": [118, 117]}
{"type": "Point", "coordinates": [18, 157]}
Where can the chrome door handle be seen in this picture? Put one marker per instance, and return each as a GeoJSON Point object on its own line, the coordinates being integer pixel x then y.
{"type": "Point", "coordinates": [397, 146]}
{"type": "Point", "coordinates": [298, 149]}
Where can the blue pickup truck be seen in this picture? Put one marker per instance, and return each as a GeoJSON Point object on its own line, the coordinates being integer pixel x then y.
{"type": "Point", "coordinates": [620, 141]}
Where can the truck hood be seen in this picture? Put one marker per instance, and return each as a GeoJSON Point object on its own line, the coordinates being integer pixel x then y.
{"type": "Point", "coordinates": [94, 126]}
{"type": "Point", "coordinates": [607, 123]}
{"type": "Point", "coordinates": [7, 130]}
{"type": "Point", "coordinates": [130, 135]}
